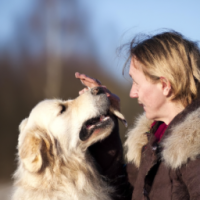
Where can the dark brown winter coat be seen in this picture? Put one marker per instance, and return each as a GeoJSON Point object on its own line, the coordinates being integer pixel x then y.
{"type": "Point", "coordinates": [169, 169]}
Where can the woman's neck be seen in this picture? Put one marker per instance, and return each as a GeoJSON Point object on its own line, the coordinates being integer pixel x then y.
{"type": "Point", "coordinates": [172, 109]}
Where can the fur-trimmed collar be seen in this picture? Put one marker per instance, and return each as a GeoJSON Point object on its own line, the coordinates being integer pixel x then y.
{"type": "Point", "coordinates": [180, 143]}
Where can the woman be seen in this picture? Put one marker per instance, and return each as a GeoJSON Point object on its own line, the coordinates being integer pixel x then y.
{"type": "Point", "coordinates": [163, 148]}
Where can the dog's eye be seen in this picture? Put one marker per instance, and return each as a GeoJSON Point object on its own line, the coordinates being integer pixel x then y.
{"type": "Point", "coordinates": [63, 108]}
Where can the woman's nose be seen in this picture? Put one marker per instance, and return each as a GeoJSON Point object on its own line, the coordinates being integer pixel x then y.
{"type": "Point", "coordinates": [133, 92]}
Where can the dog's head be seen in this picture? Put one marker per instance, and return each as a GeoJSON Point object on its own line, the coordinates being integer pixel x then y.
{"type": "Point", "coordinates": [55, 128]}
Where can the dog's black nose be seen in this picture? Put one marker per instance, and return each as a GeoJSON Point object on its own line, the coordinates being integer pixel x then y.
{"type": "Point", "coordinates": [97, 90]}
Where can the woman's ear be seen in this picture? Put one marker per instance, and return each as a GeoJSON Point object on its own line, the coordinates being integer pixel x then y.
{"type": "Point", "coordinates": [166, 86]}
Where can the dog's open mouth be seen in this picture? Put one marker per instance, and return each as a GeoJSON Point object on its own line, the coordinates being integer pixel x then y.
{"type": "Point", "coordinates": [95, 122]}
{"type": "Point", "coordinates": [92, 124]}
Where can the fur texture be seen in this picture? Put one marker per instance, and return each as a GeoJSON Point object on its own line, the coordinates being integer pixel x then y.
{"type": "Point", "coordinates": [180, 143]}
{"type": "Point", "coordinates": [53, 162]}
{"type": "Point", "coordinates": [136, 139]}
{"type": "Point", "coordinates": [183, 143]}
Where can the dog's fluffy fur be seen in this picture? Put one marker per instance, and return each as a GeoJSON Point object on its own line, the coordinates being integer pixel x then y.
{"type": "Point", "coordinates": [53, 160]}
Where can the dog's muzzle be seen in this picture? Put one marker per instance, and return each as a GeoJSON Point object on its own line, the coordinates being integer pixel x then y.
{"type": "Point", "coordinates": [99, 121]}
{"type": "Point", "coordinates": [97, 91]}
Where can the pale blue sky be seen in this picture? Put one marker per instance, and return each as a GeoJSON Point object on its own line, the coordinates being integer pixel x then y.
{"type": "Point", "coordinates": [129, 17]}
{"type": "Point", "coordinates": [148, 15]}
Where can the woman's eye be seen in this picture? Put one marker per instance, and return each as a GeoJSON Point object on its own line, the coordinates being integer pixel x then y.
{"type": "Point", "coordinates": [63, 108]}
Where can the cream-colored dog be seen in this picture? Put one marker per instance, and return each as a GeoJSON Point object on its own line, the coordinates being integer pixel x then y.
{"type": "Point", "coordinates": [53, 161]}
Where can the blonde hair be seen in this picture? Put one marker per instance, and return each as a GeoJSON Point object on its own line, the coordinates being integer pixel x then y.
{"type": "Point", "coordinates": [172, 56]}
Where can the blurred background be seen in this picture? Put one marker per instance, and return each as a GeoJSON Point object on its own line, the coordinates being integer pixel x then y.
{"type": "Point", "coordinates": [44, 42]}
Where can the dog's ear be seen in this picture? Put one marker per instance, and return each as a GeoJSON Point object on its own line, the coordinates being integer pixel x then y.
{"type": "Point", "coordinates": [23, 124]}
{"type": "Point", "coordinates": [119, 115]}
{"type": "Point", "coordinates": [34, 151]}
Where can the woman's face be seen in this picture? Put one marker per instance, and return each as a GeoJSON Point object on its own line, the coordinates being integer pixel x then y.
{"type": "Point", "coordinates": [150, 95]}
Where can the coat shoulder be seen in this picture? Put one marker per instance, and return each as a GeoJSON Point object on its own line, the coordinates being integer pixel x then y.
{"type": "Point", "coordinates": [183, 141]}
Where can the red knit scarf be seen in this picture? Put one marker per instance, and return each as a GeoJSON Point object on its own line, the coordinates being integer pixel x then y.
{"type": "Point", "coordinates": [160, 131]}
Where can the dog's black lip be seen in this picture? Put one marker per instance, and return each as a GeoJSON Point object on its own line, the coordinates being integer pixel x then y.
{"type": "Point", "coordinates": [85, 132]}
{"type": "Point", "coordinates": [95, 119]}
{"type": "Point", "coordinates": [92, 121]}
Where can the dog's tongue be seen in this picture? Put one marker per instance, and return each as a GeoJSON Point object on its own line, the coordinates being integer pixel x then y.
{"type": "Point", "coordinates": [102, 118]}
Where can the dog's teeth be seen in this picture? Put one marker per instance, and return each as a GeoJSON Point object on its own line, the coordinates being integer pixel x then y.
{"type": "Point", "coordinates": [90, 126]}
{"type": "Point", "coordinates": [105, 118]}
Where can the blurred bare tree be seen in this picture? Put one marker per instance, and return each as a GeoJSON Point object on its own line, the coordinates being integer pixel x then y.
{"type": "Point", "coordinates": [54, 65]}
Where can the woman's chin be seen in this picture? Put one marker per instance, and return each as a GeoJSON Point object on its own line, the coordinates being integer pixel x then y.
{"type": "Point", "coordinates": [149, 116]}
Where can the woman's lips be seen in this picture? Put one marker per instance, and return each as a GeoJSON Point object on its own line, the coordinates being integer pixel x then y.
{"type": "Point", "coordinates": [142, 106]}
